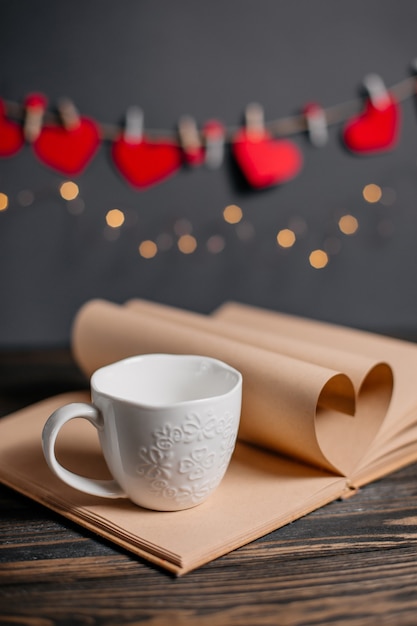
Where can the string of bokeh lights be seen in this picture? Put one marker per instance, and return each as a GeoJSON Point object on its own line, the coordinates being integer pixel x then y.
{"type": "Point", "coordinates": [186, 242]}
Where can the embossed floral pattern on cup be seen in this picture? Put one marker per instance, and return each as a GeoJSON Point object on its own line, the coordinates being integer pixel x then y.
{"type": "Point", "coordinates": [208, 442]}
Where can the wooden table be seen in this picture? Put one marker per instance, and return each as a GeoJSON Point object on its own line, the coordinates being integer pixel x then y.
{"type": "Point", "coordinates": [352, 562]}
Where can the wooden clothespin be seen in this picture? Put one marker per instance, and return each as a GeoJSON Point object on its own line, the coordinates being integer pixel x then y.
{"type": "Point", "coordinates": [69, 114]}
{"type": "Point", "coordinates": [377, 91]}
{"type": "Point", "coordinates": [214, 135]}
{"type": "Point", "coordinates": [35, 105]}
{"type": "Point", "coordinates": [316, 122]}
{"type": "Point", "coordinates": [190, 141]}
{"type": "Point", "coordinates": [134, 122]}
{"type": "Point", "coordinates": [254, 121]}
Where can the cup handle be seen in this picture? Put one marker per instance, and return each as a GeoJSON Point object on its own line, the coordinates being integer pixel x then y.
{"type": "Point", "coordinates": [103, 488]}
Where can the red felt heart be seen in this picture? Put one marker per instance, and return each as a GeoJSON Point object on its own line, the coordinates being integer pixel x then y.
{"type": "Point", "coordinates": [11, 135]}
{"type": "Point", "coordinates": [374, 130]}
{"type": "Point", "coordinates": [68, 150]}
{"type": "Point", "coordinates": [144, 163]}
{"type": "Point", "coordinates": [265, 161]}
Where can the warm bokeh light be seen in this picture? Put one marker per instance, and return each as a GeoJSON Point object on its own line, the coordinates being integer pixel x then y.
{"type": "Point", "coordinates": [183, 227]}
{"type": "Point", "coordinates": [385, 228]}
{"type": "Point", "coordinates": [187, 244]}
{"type": "Point", "coordinates": [25, 197]}
{"type": "Point", "coordinates": [215, 244]}
{"type": "Point", "coordinates": [318, 259]}
{"type": "Point", "coordinates": [232, 214]}
{"type": "Point", "coordinates": [4, 201]}
{"type": "Point", "coordinates": [69, 190]}
{"type": "Point", "coordinates": [348, 224]}
{"type": "Point", "coordinates": [245, 231]}
{"type": "Point", "coordinates": [372, 193]}
{"type": "Point", "coordinates": [164, 242]}
{"type": "Point", "coordinates": [148, 249]}
{"type": "Point", "coordinates": [332, 245]}
{"type": "Point", "coordinates": [115, 218]}
{"type": "Point", "coordinates": [286, 238]}
{"type": "Point", "coordinates": [298, 225]}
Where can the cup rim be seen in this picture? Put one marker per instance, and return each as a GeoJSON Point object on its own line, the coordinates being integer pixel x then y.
{"type": "Point", "coordinates": [151, 406]}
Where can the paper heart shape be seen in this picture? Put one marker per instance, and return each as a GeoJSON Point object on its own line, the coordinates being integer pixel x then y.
{"type": "Point", "coordinates": [347, 388]}
{"type": "Point", "coordinates": [144, 163]}
{"type": "Point", "coordinates": [11, 135]}
{"type": "Point", "coordinates": [374, 130]}
{"type": "Point", "coordinates": [68, 150]}
{"type": "Point", "coordinates": [265, 161]}
{"type": "Point", "coordinates": [359, 425]}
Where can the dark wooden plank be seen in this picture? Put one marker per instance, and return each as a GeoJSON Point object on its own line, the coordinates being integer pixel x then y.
{"type": "Point", "coordinates": [352, 560]}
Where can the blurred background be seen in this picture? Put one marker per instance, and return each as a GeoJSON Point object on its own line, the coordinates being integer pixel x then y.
{"type": "Point", "coordinates": [204, 234]}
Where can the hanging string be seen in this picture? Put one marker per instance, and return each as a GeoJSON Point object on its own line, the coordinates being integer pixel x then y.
{"type": "Point", "coordinates": [286, 126]}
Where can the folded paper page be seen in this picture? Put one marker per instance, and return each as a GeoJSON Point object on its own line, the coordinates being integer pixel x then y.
{"type": "Point", "coordinates": [395, 443]}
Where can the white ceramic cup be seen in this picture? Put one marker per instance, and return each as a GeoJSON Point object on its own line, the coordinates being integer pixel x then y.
{"type": "Point", "coordinates": [167, 425]}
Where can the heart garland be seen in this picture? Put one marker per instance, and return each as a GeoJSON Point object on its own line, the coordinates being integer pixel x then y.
{"type": "Point", "coordinates": [376, 129]}
{"type": "Point", "coordinates": [146, 162]}
{"type": "Point", "coordinates": [141, 161]}
{"type": "Point", "coordinates": [263, 160]}
{"type": "Point", "coordinates": [68, 151]}
{"type": "Point", "coordinates": [68, 146]}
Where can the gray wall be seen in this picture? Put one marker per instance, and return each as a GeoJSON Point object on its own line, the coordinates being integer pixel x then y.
{"type": "Point", "coordinates": [208, 59]}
